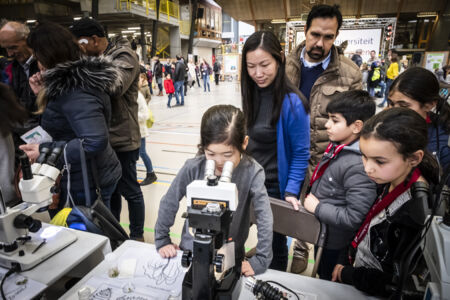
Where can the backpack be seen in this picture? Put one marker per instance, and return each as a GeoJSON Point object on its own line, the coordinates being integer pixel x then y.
{"type": "Point", "coordinates": [375, 77]}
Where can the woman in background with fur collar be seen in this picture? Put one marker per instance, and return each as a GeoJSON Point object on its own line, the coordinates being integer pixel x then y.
{"type": "Point", "coordinates": [73, 98]}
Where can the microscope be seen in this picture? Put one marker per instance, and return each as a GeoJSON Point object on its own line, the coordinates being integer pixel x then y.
{"type": "Point", "coordinates": [23, 240]}
{"type": "Point", "coordinates": [210, 206]}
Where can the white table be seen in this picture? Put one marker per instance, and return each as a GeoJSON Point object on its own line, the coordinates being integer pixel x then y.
{"type": "Point", "coordinates": [75, 260]}
{"type": "Point", "coordinates": [303, 284]}
{"type": "Point", "coordinates": [323, 289]}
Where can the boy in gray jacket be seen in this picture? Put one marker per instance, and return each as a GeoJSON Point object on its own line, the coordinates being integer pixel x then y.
{"type": "Point", "coordinates": [340, 193]}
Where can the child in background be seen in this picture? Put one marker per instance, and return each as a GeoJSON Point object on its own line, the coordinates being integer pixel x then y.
{"type": "Point", "coordinates": [393, 144]}
{"type": "Point", "coordinates": [341, 193]}
{"type": "Point", "coordinates": [170, 89]}
{"type": "Point", "coordinates": [143, 114]}
{"type": "Point", "coordinates": [223, 137]}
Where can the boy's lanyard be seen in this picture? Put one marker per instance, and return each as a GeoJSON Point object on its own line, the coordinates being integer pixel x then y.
{"type": "Point", "coordinates": [330, 153]}
{"type": "Point", "coordinates": [381, 204]}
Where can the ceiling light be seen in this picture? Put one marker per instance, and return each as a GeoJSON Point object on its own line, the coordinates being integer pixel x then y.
{"type": "Point", "coordinates": [128, 31]}
{"type": "Point", "coordinates": [278, 21]}
{"type": "Point", "coordinates": [369, 16]}
{"type": "Point", "coordinates": [427, 14]}
{"type": "Point", "coordinates": [31, 21]}
{"type": "Point", "coordinates": [134, 28]}
{"type": "Point", "coordinates": [76, 18]}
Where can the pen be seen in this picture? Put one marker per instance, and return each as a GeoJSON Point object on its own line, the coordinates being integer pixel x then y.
{"type": "Point", "coordinates": [39, 246]}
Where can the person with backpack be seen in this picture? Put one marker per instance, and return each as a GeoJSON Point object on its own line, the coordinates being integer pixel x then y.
{"type": "Point", "coordinates": [374, 78]}
{"type": "Point", "coordinates": [216, 69]}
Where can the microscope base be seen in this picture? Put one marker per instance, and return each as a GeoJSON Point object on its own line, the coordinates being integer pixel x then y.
{"type": "Point", "coordinates": [229, 289]}
{"type": "Point", "coordinates": [56, 239]}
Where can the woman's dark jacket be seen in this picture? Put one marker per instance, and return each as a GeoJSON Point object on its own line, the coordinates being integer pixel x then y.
{"type": "Point", "coordinates": [79, 108]}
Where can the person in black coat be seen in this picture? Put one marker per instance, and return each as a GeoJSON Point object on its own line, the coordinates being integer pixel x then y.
{"type": "Point", "coordinates": [73, 97]}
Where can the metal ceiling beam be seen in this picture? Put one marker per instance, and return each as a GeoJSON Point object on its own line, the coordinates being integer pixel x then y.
{"type": "Point", "coordinates": [285, 10]}
{"type": "Point", "coordinates": [358, 13]}
{"type": "Point", "coordinates": [399, 8]}
{"type": "Point", "coordinates": [250, 4]}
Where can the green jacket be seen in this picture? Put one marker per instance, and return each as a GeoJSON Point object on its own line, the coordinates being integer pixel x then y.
{"type": "Point", "coordinates": [124, 131]}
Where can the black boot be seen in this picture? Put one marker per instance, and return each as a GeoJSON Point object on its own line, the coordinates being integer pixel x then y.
{"type": "Point", "coordinates": [149, 179]}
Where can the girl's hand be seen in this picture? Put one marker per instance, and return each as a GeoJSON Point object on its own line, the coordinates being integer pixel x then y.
{"type": "Point", "coordinates": [336, 275]}
{"type": "Point", "coordinates": [168, 251]}
{"type": "Point", "coordinates": [36, 83]}
{"type": "Point", "coordinates": [292, 200]}
{"type": "Point", "coordinates": [311, 203]}
{"type": "Point", "coordinates": [31, 150]}
{"type": "Point", "coordinates": [246, 269]}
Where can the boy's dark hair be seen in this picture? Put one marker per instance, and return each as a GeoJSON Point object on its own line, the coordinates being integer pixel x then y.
{"type": "Point", "coordinates": [353, 105]}
{"type": "Point", "coordinates": [408, 131]}
{"type": "Point", "coordinates": [324, 11]}
{"type": "Point", "coordinates": [222, 124]}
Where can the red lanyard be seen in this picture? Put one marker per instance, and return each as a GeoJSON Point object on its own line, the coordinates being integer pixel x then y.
{"type": "Point", "coordinates": [381, 204]}
{"type": "Point", "coordinates": [323, 165]}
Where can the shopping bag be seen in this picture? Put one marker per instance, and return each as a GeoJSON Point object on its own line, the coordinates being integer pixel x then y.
{"type": "Point", "coordinates": [151, 119]}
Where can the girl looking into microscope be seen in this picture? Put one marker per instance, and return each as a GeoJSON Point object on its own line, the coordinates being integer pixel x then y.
{"type": "Point", "coordinates": [223, 137]}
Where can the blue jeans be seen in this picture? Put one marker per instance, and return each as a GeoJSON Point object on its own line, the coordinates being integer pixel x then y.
{"type": "Point", "coordinates": [279, 242]}
{"type": "Point", "coordinates": [129, 188]}
{"type": "Point", "coordinates": [386, 94]}
{"type": "Point", "coordinates": [150, 87]}
{"type": "Point", "coordinates": [179, 91]}
{"type": "Point", "coordinates": [160, 86]}
{"type": "Point", "coordinates": [382, 84]}
{"type": "Point", "coordinates": [371, 91]}
{"type": "Point", "coordinates": [206, 82]}
{"type": "Point", "coordinates": [143, 154]}
{"type": "Point", "coordinates": [170, 99]}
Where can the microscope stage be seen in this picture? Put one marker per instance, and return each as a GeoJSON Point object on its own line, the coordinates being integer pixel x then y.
{"type": "Point", "coordinates": [56, 238]}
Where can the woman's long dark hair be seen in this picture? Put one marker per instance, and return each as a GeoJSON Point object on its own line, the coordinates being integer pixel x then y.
{"type": "Point", "coordinates": [268, 42]}
{"type": "Point", "coordinates": [422, 86]}
{"type": "Point", "coordinates": [11, 112]}
{"type": "Point", "coordinates": [53, 44]}
{"type": "Point", "coordinates": [408, 131]}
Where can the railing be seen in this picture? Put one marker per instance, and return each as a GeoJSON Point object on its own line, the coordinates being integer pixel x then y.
{"type": "Point", "coordinates": [185, 27]}
{"type": "Point", "coordinates": [166, 7]}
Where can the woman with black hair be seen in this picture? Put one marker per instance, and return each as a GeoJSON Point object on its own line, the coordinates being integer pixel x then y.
{"type": "Point", "coordinates": [278, 125]}
{"type": "Point", "coordinates": [11, 113]}
{"type": "Point", "coordinates": [73, 98]}
{"type": "Point", "coordinates": [418, 89]}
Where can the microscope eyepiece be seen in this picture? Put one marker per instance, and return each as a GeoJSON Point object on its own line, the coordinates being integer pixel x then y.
{"type": "Point", "coordinates": [26, 167]}
{"type": "Point", "coordinates": [43, 155]}
{"type": "Point", "coordinates": [227, 172]}
{"type": "Point", "coordinates": [54, 156]}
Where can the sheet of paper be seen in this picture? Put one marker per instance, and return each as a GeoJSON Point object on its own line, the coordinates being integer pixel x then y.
{"type": "Point", "coordinates": [19, 287]}
{"type": "Point", "coordinates": [152, 277]}
{"type": "Point", "coordinates": [155, 272]}
{"type": "Point", "coordinates": [36, 135]}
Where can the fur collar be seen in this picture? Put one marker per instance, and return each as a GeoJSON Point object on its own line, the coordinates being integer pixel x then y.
{"type": "Point", "coordinates": [87, 73]}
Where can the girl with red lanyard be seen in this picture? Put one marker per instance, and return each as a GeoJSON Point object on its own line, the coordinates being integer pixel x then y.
{"type": "Point", "coordinates": [393, 144]}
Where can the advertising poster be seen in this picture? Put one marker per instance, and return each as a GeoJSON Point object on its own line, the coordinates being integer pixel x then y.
{"type": "Point", "coordinates": [364, 39]}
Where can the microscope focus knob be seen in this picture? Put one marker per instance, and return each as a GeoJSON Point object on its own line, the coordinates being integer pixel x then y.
{"type": "Point", "coordinates": [218, 262]}
{"type": "Point", "coordinates": [186, 259]}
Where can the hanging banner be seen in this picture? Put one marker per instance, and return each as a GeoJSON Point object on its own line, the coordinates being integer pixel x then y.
{"type": "Point", "coordinates": [364, 39]}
